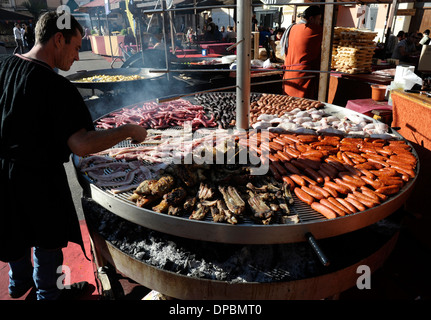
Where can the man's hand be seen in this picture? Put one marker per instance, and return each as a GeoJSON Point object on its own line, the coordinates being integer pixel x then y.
{"type": "Point", "coordinates": [85, 142]}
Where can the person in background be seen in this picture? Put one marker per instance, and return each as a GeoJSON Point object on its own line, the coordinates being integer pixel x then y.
{"type": "Point", "coordinates": [425, 39]}
{"type": "Point", "coordinates": [18, 35]}
{"type": "Point", "coordinates": [231, 34]}
{"type": "Point", "coordinates": [406, 48]}
{"type": "Point", "coordinates": [47, 220]}
{"type": "Point", "coordinates": [254, 23]}
{"type": "Point", "coordinates": [273, 41]}
{"type": "Point", "coordinates": [264, 35]}
{"type": "Point", "coordinates": [223, 33]}
{"type": "Point", "coordinates": [301, 46]}
{"type": "Point", "coordinates": [209, 30]}
{"type": "Point", "coordinates": [391, 43]}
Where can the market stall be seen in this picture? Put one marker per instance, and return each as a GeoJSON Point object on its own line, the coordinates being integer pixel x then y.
{"type": "Point", "coordinates": [329, 173]}
{"type": "Point", "coordinates": [411, 114]}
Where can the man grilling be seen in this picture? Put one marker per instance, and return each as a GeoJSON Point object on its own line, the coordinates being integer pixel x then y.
{"type": "Point", "coordinates": [43, 118]}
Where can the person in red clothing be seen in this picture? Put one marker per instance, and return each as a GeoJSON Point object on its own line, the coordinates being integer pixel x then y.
{"type": "Point", "coordinates": [302, 46]}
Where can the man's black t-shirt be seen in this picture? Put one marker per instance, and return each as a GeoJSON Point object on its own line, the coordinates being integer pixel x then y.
{"type": "Point", "coordinates": [39, 111]}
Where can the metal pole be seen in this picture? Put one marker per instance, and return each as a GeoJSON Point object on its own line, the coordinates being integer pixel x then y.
{"type": "Point", "coordinates": [243, 64]}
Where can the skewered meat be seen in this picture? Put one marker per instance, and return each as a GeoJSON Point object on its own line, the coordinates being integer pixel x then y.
{"type": "Point", "coordinates": [233, 200]}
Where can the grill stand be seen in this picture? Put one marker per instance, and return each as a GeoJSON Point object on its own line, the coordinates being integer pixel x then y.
{"type": "Point", "coordinates": [370, 246]}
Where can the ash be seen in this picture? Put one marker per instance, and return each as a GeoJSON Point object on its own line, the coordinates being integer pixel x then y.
{"type": "Point", "coordinates": [199, 259]}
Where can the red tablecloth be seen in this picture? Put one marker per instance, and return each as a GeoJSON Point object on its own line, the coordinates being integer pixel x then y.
{"type": "Point", "coordinates": [199, 55]}
{"type": "Point", "coordinates": [366, 105]}
{"type": "Point", "coordinates": [218, 48]}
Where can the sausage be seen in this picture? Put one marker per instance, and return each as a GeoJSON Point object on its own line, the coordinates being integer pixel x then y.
{"type": "Point", "coordinates": [322, 191]}
{"type": "Point", "coordinates": [283, 156]}
{"type": "Point", "coordinates": [385, 172]}
{"type": "Point", "coordinates": [275, 146]}
{"type": "Point", "coordinates": [403, 170]}
{"type": "Point", "coordinates": [333, 161]}
{"type": "Point", "coordinates": [371, 193]}
{"type": "Point", "coordinates": [279, 141]}
{"type": "Point", "coordinates": [365, 202]}
{"type": "Point", "coordinates": [374, 183]}
{"type": "Point", "coordinates": [392, 181]}
{"type": "Point", "coordinates": [347, 205]}
{"type": "Point", "coordinates": [308, 179]}
{"type": "Point", "coordinates": [312, 153]}
{"type": "Point", "coordinates": [314, 194]}
{"type": "Point", "coordinates": [389, 190]}
{"type": "Point", "coordinates": [357, 182]}
{"type": "Point", "coordinates": [380, 162]}
{"type": "Point", "coordinates": [275, 172]}
{"type": "Point", "coordinates": [299, 164]}
{"type": "Point", "coordinates": [313, 175]}
{"type": "Point", "coordinates": [355, 203]}
{"type": "Point", "coordinates": [332, 172]}
{"type": "Point", "coordinates": [367, 173]}
{"type": "Point", "coordinates": [303, 196]}
{"type": "Point", "coordinates": [331, 190]}
{"type": "Point", "coordinates": [335, 202]}
{"type": "Point", "coordinates": [289, 181]}
{"type": "Point", "coordinates": [310, 162]}
{"type": "Point", "coordinates": [332, 206]}
{"type": "Point", "coordinates": [281, 170]}
{"type": "Point", "coordinates": [291, 168]}
{"type": "Point", "coordinates": [366, 166]}
{"type": "Point", "coordinates": [356, 156]}
{"type": "Point", "coordinates": [345, 184]}
{"type": "Point", "coordinates": [324, 174]}
{"type": "Point", "coordinates": [361, 195]}
{"type": "Point", "coordinates": [346, 159]}
{"type": "Point", "coordinates": [292, 153]}
{"type": "Point", "coordinates": [297, 179]}
{"type": "Point", "coordinates": [324, 210]}
{"type": "Point", "coordinates": [339, 188]}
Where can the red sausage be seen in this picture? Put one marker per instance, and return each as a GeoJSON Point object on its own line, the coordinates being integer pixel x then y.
{"type": "Point", "coordinates": [303, 196]}
{"type": "Point", "coordinates": [347, 205]}
{"type": "Point", "coordinates": [324, 210]}
{"type": "Point", "coordinates": [314, 194]}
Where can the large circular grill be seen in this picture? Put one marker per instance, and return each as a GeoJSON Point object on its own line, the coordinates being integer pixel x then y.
{"type": "Point", "coordinates": [310, 221]}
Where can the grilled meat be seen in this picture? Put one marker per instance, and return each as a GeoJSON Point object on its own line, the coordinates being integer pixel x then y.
{"type": "Point", "coordinates": [186, 175]}
{"type": "Point", "coordinates": [258, 206]}
{"type": "Point", "coordinates": [218, 216]}
{"type": "Point", "coordinates": [205, 192]}
{"type": "Point", "coordinates": [163, 185]}
{"type": "Point", "coordinates": [175, 211]}
{"type": "Point", "coordinates": [145, 187]}
{"type": "Point", "coordinates": [189, 204]}
{"type": "Point", "coordinates": [143, 201]}
{"type": "Point", "coordinates": [222, 208]}
{"type": "Point", "coordinates": [171, 198]}
{"type": "Point", "coordinates": [200, 212]}
{"type": "Point", "coordinates": [155, 188]}
{"type": "Point", "coordinates": [232, 199]}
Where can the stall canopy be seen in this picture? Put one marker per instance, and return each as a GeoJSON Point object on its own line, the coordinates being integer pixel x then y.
{"type": "Point", "coordinates": [10, 16]}
{"type": "Point", "coordinates": [98, 3]}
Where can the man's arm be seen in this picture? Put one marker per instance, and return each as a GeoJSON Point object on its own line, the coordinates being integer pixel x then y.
{"type": "Point", "coordinates": [85, 142]}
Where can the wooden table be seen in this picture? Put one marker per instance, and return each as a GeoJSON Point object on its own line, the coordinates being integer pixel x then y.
{"type": "Point", "coordinates": [345, 87]}
{"type": "Point", "coordinates": [412, 114]}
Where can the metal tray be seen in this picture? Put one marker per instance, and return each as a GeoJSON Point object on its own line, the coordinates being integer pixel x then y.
{"type": "Point", "coordinates": [248, 232]}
